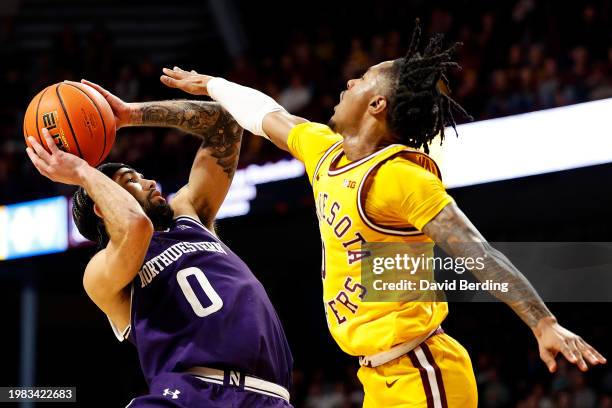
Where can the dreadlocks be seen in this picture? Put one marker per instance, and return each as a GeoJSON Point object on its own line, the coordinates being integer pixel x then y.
{"type": "Point", "coordinates": [418, 109]}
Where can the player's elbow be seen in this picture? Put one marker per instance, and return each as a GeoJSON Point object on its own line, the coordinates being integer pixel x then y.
{"type": "Point", "coordinates": [139, 226]}
{"type": "Point", "coordinates": [277, 126]}
{"type": "Point", "coordinates": [231, 122]}
{"type": "Point", "coordinates": [135, 227]}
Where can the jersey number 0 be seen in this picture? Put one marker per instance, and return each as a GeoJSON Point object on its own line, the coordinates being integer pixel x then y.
{"type": "Point", "coordinates": [196, 305]}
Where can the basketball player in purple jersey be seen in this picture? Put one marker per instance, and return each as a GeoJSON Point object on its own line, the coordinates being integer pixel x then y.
{"type": "Point", "coordinates": [204, 328]}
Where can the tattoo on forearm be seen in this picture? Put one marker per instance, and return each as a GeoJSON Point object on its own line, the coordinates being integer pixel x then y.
{"type": "Point", "coordinates": [219, 131]}
{"type": "Point", "coordinates": [456, 235]}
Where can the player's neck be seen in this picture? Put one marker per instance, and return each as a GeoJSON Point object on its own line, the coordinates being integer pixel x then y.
{"type": "Point", "coordinates": [364, 141]}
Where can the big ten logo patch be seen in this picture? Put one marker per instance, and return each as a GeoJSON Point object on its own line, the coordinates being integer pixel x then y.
{"type": "Point", "coordinates": [50, 122]}
{"type": "Point", "coordinates": [349, 183]}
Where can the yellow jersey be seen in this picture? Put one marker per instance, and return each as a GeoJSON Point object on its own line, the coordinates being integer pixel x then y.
{"type": "Point", "coordinates": [387, 196]}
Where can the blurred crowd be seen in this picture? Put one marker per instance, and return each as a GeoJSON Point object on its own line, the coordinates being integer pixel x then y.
{"type": "Point", "coordinates": [522, 56]}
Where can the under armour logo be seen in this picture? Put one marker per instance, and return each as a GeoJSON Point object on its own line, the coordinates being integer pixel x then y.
{"type": "Point", "coordinates": [183, 227]}
{"type": "Point", "coordinates": [174, 393]}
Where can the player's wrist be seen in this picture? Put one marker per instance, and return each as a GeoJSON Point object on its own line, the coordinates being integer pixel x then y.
{"type": "Point", "coordinates": [248, 106]}
{"type": "Point", "coordinates": [83, 173]}
{"type": "Point", "coordinates": [544, 324]}
{"type": "Point", "coordinates": [134, 115]}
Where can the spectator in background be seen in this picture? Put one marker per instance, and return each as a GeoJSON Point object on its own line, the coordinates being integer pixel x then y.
{"type": "Point", "coordinates": [599, 83]}
{"type": "Point", "coordinates": [498, 104]}
{"type": "Point", "coordinates": [515, 61]}
{"type": "Point", "coordinates": [377, 48]}
{"type": "Point", "coordinates": [469, 91]}
{"type": "Point", "coordinates": [99, 53]}
{"type": "Point", "coordinates": [548, 84]}
{"type": "Point", "coordinates": [358, 60]}
{"type": "Point", "coordinates": [243, 71]}
{"type": "Point", "coordinates": [523, 98]}
{"type": "Point", "coordinates": [127, 86]}
{"type": "Point", "coordinates": [393, 45]}
{"type": "Point", "coordinates": [583, 395]}
{"type": "Point", "coordinates": [296, 96]}
{"type": "Point", "coordinates": [148, 79]}
{"type": "Point", "coordinates": [325, 47]}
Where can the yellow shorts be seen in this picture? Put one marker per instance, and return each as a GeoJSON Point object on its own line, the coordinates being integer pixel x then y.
{"type": "Point", "coordinates": [436, 374]}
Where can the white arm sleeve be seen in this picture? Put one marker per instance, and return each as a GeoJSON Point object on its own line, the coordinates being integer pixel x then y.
{"type": "Point", "coordinates": [248, 106]}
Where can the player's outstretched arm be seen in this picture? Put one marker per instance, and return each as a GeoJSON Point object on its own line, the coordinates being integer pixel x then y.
{"type": "Point", "coordinates": [216, 160]}
{"type": "Point", "coordinates": [254, 111]}
{"type": "Point", "coordinates": [456, 235]}
{"type": "Point", "coordinates": [112, 269]}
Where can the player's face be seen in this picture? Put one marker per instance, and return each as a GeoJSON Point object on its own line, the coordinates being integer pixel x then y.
{"type": "Point", "coordinates": [148, 196]}
{"type": "Point", "coordinates": [359, 94]}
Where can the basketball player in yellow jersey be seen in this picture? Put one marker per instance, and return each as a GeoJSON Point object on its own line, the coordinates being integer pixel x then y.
{"type": "Point", "coordinates": [372, 184]}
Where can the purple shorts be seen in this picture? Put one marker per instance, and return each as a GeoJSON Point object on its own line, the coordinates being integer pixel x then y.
{"type": "Point", "coordinates": [176, 390]}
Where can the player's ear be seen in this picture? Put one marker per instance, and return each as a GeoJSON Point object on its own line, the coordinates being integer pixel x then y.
{"type": "Point", "coordinates": [97, 210]}
{"type": "Point", "coordinates": [377, 105]}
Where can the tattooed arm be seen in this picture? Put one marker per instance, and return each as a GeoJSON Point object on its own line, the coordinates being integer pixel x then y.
{"type": "Point", "coordinates": [216, 160]}
{"type": "Point", "coordinates": [458, 237]}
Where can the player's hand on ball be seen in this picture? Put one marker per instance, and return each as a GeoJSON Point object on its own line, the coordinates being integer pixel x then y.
{"type": "Point", "coordinates": [122, 110]}
{"type": "Point", "coordinates": [190, 82]}
{"type": "Point", "coordinates": [554, 338]}
{"type": "Point", "coordinates": [56, 165]}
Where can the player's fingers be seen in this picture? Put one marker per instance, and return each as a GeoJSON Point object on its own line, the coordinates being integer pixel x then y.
{"type": "Point", "coordinates": [33, 157]}
{"type": "Point", "coordinates": [97, 87]}
{"type": "Point", "coordinates": [549, 359]}
{"type": "Point", "coordinates": [39, 149]}
{"type": "Point", "coordinates": [573, 350]}
{"type": "Point", "coordinates": [588, 355]}
{"type": "Point", "coordinates": [171, 82]}
{"type": "Point", "coordinates": [49, 141]}
{"type": "Point", "coordinates": [568, 353]}
{"type": "Point", "coordinates": [181, 71]}
{"type": "Point", "coordinates": [593, 355]}
{"type": "Point", "coordinates": [582, 365]}
{"type": "Point", "coordinates": [176, 73]}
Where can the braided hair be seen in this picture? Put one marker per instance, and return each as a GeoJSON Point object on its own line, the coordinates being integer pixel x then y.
{"type": "Point", "coordinates": [418, 109]}
{"type": "Point", "coordinates": [87, 222]}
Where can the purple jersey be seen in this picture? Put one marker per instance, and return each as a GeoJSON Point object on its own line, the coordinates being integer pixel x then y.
{"type": "Point", "coordinates": [196, 303]}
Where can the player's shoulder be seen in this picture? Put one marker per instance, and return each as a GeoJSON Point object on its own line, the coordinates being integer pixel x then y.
{"type": "Point", "coordinates": [313, 127]}
{"type": "Point", "coordinates": [309, 142]}
{"type": "Point", "coordinates": [313, 131]}
{"type": "Point", "coordinates": [409, 163]}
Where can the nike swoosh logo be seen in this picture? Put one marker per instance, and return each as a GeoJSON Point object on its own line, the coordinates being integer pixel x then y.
{"type": "Point", "coordinates": [389, 385]}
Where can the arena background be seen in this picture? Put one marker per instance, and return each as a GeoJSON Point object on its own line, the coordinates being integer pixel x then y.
{"type": "Point", "coordinates": [519, 56]}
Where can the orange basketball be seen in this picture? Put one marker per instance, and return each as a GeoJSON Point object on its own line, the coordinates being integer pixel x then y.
{"type": "Point", "coordinates": [78, 118]}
